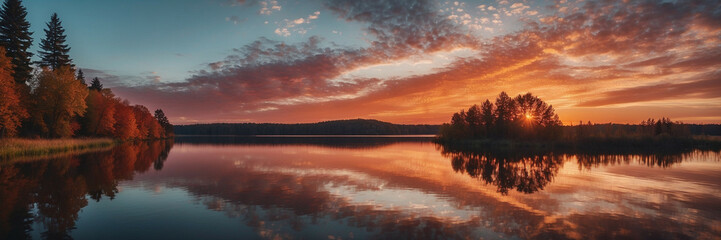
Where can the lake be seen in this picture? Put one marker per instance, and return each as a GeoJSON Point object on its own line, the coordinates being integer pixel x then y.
{"type": "Point", "coordinates": [358, 188]}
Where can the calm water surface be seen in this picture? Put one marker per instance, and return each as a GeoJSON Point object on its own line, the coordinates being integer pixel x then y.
{"type": "Point", "coordinates": [357, 188]}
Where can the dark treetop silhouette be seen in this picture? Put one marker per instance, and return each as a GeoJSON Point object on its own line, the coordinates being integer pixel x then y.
{"type": "Point", "coordinates": [530, 170]}
{"type": "Point", "coordinates": [523, 117]}
{"type": "Point", "coordinates": [16, 38]}
{"type": "Point", "coordinates": [54, 51]}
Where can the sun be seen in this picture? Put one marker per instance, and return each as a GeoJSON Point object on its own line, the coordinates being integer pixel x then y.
{"type": "Point", "coordinates": [528, 116]}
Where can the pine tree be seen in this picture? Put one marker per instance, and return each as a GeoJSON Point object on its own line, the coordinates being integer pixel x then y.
{"type": "Point", "coordinates": [16, 38]}
{"type": "Point", "coordinates": [164, 123]}
{"type": "Point", "coordinates": [96, 85]}
{"type": "Point", "coordinates": [54, 50]}
{"type": "Point", "coordinates": [81, 77]}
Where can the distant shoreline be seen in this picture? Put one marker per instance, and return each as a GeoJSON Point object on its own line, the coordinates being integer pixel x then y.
{"type": "Point", "coordinates": [358, 127]}
{"type": "Point", "coordinates": [354, 127]}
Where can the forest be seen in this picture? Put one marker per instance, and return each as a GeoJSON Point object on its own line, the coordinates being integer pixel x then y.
{"type": "Point", "coordinates": [50, 98]}
{"type": "Point", "coordinates": [338, 127]}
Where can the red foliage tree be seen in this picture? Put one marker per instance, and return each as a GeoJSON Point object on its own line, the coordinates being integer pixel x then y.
{"type": "Point", "coordinates": [125, 125]}
{"type": "Point", "coordinates": [100, 117]}
{"type": "Point", "coordinates": [11, 111]}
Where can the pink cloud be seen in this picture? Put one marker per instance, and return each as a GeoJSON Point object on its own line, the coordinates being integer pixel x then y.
{"type": "Point", "coordinates": [570, 59]}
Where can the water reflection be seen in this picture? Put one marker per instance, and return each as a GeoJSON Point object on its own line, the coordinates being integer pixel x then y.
{"type": "Point", "coordinates": [393, 189]}
{"type": "Point", "coordinates": [53, 192]}
{"type": "Point", "coordinates": [339, 141]}
{"type": "Point", "coordinates": [507, 170]}
{"type": "Point", "coordinates": [529, 170]}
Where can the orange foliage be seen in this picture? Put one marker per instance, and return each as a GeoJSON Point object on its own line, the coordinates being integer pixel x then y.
{"type": "Point", "coordinates": [57, 98]}
{"type": "Point", "coordinates": [148, 126]}
{"type": "Point", "coordinates": [140, 121]}
{"type": "Point", "coordinates": [11, 112]}
{"type": "Point", "coordinates": [125, 125]}
{"type": "Point", "coordinates": [109, 116]}
{"type": "Point", "coordinates": [100, 117]}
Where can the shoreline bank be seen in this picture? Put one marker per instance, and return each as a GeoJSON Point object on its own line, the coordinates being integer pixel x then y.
{"type": "Point", "coordinates": [19, 147]}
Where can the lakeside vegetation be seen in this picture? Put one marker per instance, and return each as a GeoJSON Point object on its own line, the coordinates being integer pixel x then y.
{"type": "Point", "coordinates": [526, 122]}
{"type": "Point", "coordinates": [50, 99]}
{"type": "Point", "coordinates": [15, 148]}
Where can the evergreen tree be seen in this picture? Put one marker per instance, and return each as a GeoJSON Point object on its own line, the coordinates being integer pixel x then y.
{"type": "Point", "coordinates": [96, 85]}
{"type": "Point", "coordinates": [81, 77]}
{"type": "Point", "coordinates": [16, 38]}
{"type": "Point", "coordinates": [163, 120]}
{"type": "Point", "coordinates": [487, 115]}
{"type": "Point", "coordinates": [505, 113]}
{"type": "Point", "coordinates": [473, 118]}
{"type": "Point", "coordinates": [54, 50]}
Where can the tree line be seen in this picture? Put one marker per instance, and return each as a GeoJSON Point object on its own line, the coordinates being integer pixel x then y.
{"type": "Point", "coordinates": [523, 117]}
{"type": "Point", "coordinates": [338, 127]}
{"type": "Point", "coordinates": [650, 128]}
{"type": "Point", "coordinates": [50, 98]}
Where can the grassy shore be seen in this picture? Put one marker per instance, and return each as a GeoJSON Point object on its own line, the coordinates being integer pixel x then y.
{"type": "Point", "coordinates": [15, 147]}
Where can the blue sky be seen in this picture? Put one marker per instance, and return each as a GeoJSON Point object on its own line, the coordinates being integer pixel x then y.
{"type": "Point", "coordinates": [173, 38]}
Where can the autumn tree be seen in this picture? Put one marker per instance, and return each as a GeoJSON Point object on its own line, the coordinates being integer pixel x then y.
{"type": "Point", "coordinates": [125, 125]}
{"type": "Point", "coordinates": [155, 131]}
{"type": "Point", "coordinates": [99, 119]}
{"type": "Point", "coordinates": [16, 37]}
{"type": "Point", "coordinates": [148, 126]}
{"type": "Point", "coordinates": [11, 112]}
{"type": "Point", "coordinates": [141, 121]}
{"type": "Point", "coordinates": [57, 97]}
{"type": "Point", "coordinates": [54, 51]}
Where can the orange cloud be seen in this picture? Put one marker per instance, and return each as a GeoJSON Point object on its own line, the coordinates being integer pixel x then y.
{"type": "Point", "coordinates": [599, 54]}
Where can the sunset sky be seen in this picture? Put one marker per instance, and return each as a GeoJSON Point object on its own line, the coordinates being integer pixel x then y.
{"type": "Point", "coordinates": [400, 61]}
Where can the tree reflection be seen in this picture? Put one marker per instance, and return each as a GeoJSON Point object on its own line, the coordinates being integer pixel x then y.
{"type": "Point", "coordinates": [346, 142]}
{"type": "Point", "coordinates": [530, 170]}
{"type": "Point", "coordinates": [664, 160]}
{"type": "Point", "coordinates": [56, 189]}
{"type": "Point", "coordinates": [524, 172]}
